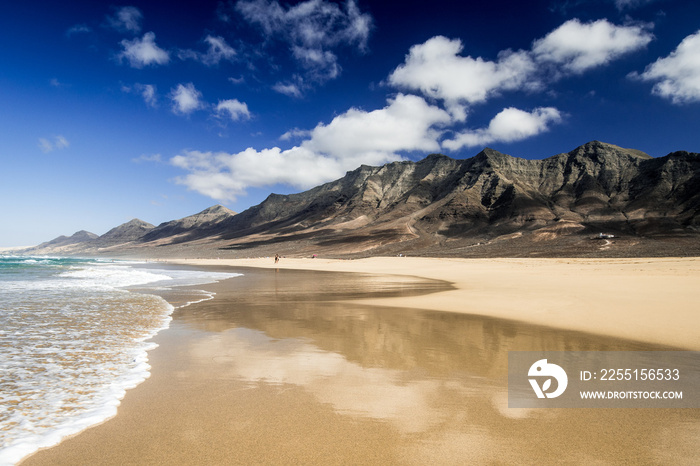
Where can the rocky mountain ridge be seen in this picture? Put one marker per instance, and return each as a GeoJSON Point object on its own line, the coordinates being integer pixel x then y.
{"type": "Point", "coordinates": [195, 226]}
{"type": "Point", "coordinates": [132, 230]}
{"type": "Point", "coordinates": [489, 205]}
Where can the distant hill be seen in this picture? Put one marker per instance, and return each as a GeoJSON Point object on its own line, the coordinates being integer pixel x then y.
{"type": "Point", "coordinates": [135, 234]}
{"type": "Point", "coordinates": [132, 230]}
{"type": "Point", "coordinates": [79, 237]}
{"type": "Point", "coordinates": [489, 205]}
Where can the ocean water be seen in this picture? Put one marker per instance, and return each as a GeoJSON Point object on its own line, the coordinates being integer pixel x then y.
{"type": "Point", "coordinates": [73, 339]}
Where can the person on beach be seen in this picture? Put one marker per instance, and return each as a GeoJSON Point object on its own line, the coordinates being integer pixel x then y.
{"type": "Point", "coordinates": [277, 258]}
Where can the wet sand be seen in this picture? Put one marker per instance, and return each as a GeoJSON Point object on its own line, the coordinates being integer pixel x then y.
{"type": "Point", "coordinates": [648, 299]}
{"type": "Point", "coordinates": [289, 366]}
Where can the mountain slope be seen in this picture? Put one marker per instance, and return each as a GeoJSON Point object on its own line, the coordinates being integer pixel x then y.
{"type": "Point", "coordinates": [204, 224]}
{"type": "Point", "coordinates": [132, 230]}
{"type": "Point", "coordinates": [440, 202]}
{"type": "Point", "coordinates": [491, 204]}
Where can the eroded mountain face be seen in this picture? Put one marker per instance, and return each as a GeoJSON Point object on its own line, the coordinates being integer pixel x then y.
{"type": "Point", "coordinates": [490, 204]}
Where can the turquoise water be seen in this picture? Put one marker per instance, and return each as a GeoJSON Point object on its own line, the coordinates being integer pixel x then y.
{"type": "Point", "coordinates": [73, 339]}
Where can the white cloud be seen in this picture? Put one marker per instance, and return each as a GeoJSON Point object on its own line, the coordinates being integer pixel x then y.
{"type": "Point", "coordinates": [289, 89]}
{"type": "Point", "coordinates": [677, 76]}
{"type": "Point", "coordinates": [186, 99]}
{"type": "Point", "coordinates": [577, 47]}
{"type": "Point", "coordinates": [311, 23]}
{"type": "Point", "coordinates": [225, 176]}
{"type": "Point", "coordinates": [313, 29]}
{"type": "Point", "coordinates": [510, 125]}
{"type": "Point", "coordinates": [143, 52]}
{"type": "Point", "coordinates": [58, 142]}
{"type": "Point", "coordinates": [437, 70]}
{"type": "Point", "coordinates": [295, 133]}
{"type": "Point", "coordinates": [146, 91]}
{"type": "Point", "coordinates": [236, 110]}
{"type": "Point", "coordinates": [351, 139]}
{"type": "Point", "coordinates": [406, 124]}
{"type": "Point", "coordinates": [323, 62]}
{"type": "Point", "coordinates": [126, 19]}
{"type": "Point", "coordinates": [218, 50]}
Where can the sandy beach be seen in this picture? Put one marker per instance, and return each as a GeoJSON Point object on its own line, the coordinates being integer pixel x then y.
{"type": "Point", "coordinates": [398, 361]}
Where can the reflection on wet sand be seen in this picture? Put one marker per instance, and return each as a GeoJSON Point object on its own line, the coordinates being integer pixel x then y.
{"type": "Point", "coordinates": [439, 379]}
{"type": "Point", "coordinates": [283, 368]}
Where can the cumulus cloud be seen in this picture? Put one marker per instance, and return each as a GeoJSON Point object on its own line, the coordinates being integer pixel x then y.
{"type": "Point", "coordinates": [225, 176]}
{"type": "Point", "coordinates": [356, 137]}
{"type": "Point", "coordinates": [126, 19]}
{"type": "Point", "coordinates": [677, 76]}
{"type": "Point", "coordinates": [407, 124]}
{"type": "Point", "coordinates": [577, 47]}
{"type": "Point", "coordinates": [143, 52]}
{"type": "Point", "coordinates": [436, 69]}
{"type": "Point", "coordinates": [313, 29]}
{"type": "Point", "coordinates": [234, 109]}
{"type": "Point", "coordinates": [50, 145]}
{"type": "Point", "coordinates": [186, 99]}
{"type": "Point", "coordinates": [510, 125]}
{"type": "Point", "coordinates": [218, 50]}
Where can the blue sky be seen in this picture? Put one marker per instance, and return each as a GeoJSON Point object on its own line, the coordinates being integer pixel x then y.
{"type": "Point", "coordinates": [157, 110]}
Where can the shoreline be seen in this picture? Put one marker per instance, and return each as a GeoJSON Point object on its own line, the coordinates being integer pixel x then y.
{"type": "Point", "coordinates": [651, 300]}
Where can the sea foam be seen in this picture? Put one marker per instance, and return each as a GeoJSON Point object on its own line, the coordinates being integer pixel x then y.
{"type": "Point", "coordinates": [73, 342]}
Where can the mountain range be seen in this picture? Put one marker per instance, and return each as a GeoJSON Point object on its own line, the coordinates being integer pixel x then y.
{"type": "Point", "coordinates": [597, 200]}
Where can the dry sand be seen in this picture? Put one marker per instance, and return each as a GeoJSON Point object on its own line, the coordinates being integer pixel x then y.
{"type": "Point", "coordinates": [287, 366]}
{"type": "Point", "coordinates": [655, 300]}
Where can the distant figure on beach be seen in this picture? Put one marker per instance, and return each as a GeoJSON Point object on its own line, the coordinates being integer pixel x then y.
{"type": "Point", "coordinates": [277, 258]}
